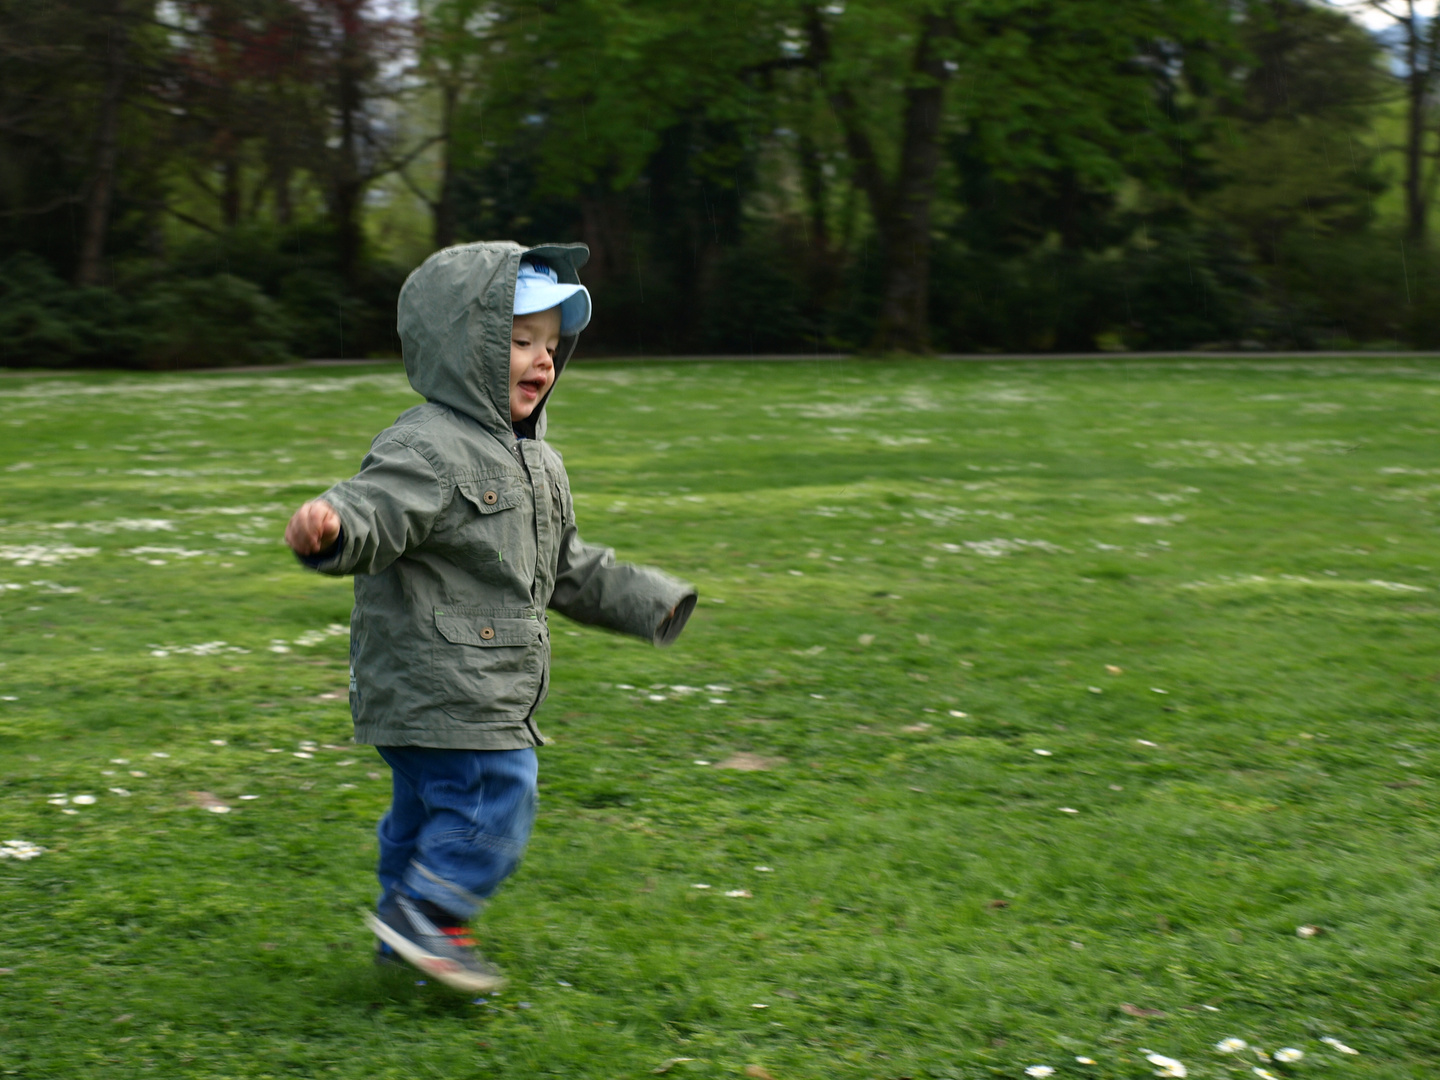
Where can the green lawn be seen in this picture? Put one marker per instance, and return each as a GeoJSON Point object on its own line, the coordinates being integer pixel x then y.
{"type": "Point", "coordinates": [1075, 688]}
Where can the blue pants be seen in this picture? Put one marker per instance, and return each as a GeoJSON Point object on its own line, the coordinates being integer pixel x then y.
{"type": "Point", "coordinates": [458, 823]}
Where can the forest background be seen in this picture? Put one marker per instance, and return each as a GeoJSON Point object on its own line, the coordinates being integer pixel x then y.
{"type": "Point", "coordinates": [198, 184]}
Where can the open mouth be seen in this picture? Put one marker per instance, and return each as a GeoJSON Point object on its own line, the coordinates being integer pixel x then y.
{"type": "Point", "coordinates": [531, 388]}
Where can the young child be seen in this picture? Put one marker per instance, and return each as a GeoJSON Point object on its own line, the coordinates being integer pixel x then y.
{"type": "Point", "coordinates": [460, 531]}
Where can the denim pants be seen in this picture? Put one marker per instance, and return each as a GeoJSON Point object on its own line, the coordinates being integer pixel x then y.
{"type": "Point", "coordinates": [457, 825]}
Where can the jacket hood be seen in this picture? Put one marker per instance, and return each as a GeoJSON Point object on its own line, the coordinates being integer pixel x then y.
{"type": "Point", "coordinates": [454, 323]}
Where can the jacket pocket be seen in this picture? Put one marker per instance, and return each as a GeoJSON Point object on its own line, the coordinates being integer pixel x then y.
{"type": "Point", "coordinates": [489, 534]}
{"type": "Point", "coordinates": [488, 663]}
{"type": "Point", "coordinates": [485, 629]}
{"type": "Point", "coordinates": [489, 496]}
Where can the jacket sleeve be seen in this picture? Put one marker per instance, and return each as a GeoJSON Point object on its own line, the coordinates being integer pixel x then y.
{"type": "Point", "coordinates": [591, 587]}
{"type": "Point", "coordinates": [385, 509]}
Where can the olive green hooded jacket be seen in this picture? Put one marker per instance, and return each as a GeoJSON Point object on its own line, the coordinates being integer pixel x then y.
{"type": "Point", "coordinates": [460, 535]}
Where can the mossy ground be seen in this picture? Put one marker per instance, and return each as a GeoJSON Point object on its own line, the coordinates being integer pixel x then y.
{"type": "Point", "coordinates": [1207, 589]}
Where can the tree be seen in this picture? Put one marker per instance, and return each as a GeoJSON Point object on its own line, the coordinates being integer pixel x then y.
{"type": "Point", "coordinates": [1294, 145]}
{"type": "Point", "coordinates": [453, 38]}
{"type": "Point", "coordinates": [1058, 84]}
{"type": "Point", "coordinates": [1416, 44]}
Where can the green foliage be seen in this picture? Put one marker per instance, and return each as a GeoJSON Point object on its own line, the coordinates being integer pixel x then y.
{"type": "Point", "coordinates": [1135, 174]}
{"type": "Point", "coordinates": [222, 321]}
{"type": "Point", "coordinates": [48, 324]}
{"type": "Point", "coordinates": [1254, 539]}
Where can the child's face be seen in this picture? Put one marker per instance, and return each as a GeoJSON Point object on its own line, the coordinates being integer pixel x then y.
{"type": "Point", "coordinates": [533, 340]}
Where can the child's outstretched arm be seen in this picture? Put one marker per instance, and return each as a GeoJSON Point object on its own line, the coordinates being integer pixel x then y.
{"type": "Point", "coordinates": [362, 525]}
{"type": "Point", "coordinates": [591, 587]}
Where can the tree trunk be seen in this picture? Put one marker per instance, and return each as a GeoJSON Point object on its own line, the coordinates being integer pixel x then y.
{"type": "Point", "coordinates": [348, 184]}
{"type": "Point", "coordinates": [1417, 86]}
{"type": "Point", "coordinates": [904, 324]}
{"type": "Point", "coordinates": [443, 208]}
{"type": "Point", "coordinates": [230, 195]}
{"type": "Point", "coordinates": [280, 185]}
{"type": "Point", "coordinates": [901, 208]}
{"type": "Point", "coordinates": [811, 172]}
{"type": "Point", "coordinates": [107, 149]}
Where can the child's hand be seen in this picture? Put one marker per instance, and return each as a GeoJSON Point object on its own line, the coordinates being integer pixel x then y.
{"type": "Point", "coordinates": [313, 528]}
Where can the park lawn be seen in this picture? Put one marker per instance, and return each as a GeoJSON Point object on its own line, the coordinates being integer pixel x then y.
{"type": "Point", "coordinates": [1066, 691]}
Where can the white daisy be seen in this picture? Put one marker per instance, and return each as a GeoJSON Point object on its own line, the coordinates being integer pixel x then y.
{"type": "Point", "coordinates": [1166, 1066]}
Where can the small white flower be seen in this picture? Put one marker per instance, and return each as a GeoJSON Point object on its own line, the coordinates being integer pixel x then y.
{"type": "Point", "coordinates": [718, 701]}
{"type": "Point", "coordinates": [120, 791]}
{"type": "Point", "coordinates": [1330, 1040]}
{"type": "Point", "coordinates": [23, 850]}
{"type": "Point", "coordinates": [138, 772]}
{"type": "Point", "coordinates": [1157, 690]}
{"type": "Point", "coordinates": [303, 754]}
{"type": "Point", "coordinates": [757, 1005]}
{"type": "Point", "coordinates": [1094, 689]}
{"type": "Point", "coordinates": [739, 894]}
{"type": "Point", "coordinates": [1307, 931]}
{"type": "Point", "coordinates": [1039, 1070]}
{"type": "Point", "coordinates": [624, 686]}
{"type": "Point", "coordinates": [1166, 1066]}
{"type": "Point", "coordinates": [1044, 753]}
{"type": "Point", "coordinates": [1287, 1054]}
{"type": "Point", "coordinates": [1231, 1046]}
{"type": "Point", "coordinates": [701, 761]}
{"type": "Point", "coordinates": [656, 697]}
{"type": "Point", "coordinates": [67, 810]}
{"type": "Point", "coordinates": [818, 697]}
{"type": "Point", "coordinates": [1264, 1074]}
{"type": "Point", "coordinates": [159, 753]}
{"type": "Point", "coordinates": [765, 869]}
{"type": "Point", "coordinates": [84, 800]}
{"type": "Point", "coordinates": [58, 800]}
{"type": "Point", "coordinates": [1068, 810]}
{"type": "Point", "coordinates": [217, 742]}
{"type": "Point", "coordinates": [119, 761]}
{"type": "Point", "coordinates": [218, 808]}
{"type": "Point", "coordinates": [699, 886]}
{"type": "Point", "coordinates": [1080, 1059]}
{"type": "Point", "coordinates": [958, 713]}
{"type": "Point", "coordinates": [1146, 742]}
{"type": "Point", "coordinates": [247, 798]}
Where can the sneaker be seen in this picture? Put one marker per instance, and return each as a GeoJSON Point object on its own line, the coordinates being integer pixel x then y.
{"type": "Point", "coordinates": [445, 952]}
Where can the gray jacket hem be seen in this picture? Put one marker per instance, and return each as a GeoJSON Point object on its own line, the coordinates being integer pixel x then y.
{"type": "Point", "coordinates": [448, 738]}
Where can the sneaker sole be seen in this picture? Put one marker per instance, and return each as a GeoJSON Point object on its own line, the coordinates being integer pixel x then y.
{"type": "Point", "coordinates": [447, 971]}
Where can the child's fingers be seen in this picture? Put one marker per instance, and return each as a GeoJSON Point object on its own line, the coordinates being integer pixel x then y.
{"type": "Point", "coordinates": [329, 524]}
{"type": "Point", "coordinates": [312, 528]}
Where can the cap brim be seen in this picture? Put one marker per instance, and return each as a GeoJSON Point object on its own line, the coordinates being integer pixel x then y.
{"type": "Point", "coordinates": [572, 300]}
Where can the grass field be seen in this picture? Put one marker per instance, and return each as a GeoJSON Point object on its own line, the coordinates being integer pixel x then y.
{"type": "Point", "coordinates": [1031, 708]}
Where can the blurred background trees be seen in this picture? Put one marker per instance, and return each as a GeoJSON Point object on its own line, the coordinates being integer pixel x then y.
{"type": "Point", "coordinates": [211, 182]}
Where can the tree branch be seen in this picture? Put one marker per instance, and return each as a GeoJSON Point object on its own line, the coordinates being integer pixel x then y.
{"type": "Point", "coordinates": [858, 144]}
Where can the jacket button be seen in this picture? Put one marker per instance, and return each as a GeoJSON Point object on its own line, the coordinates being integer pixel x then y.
{"type": "Point", "coordinates": [487, 633]}
{"type": "Point", "coordinates": [490, 498]}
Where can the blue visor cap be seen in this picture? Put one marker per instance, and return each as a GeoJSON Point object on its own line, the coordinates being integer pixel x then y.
{"type": "Point", "coordinates": [537, 288]}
